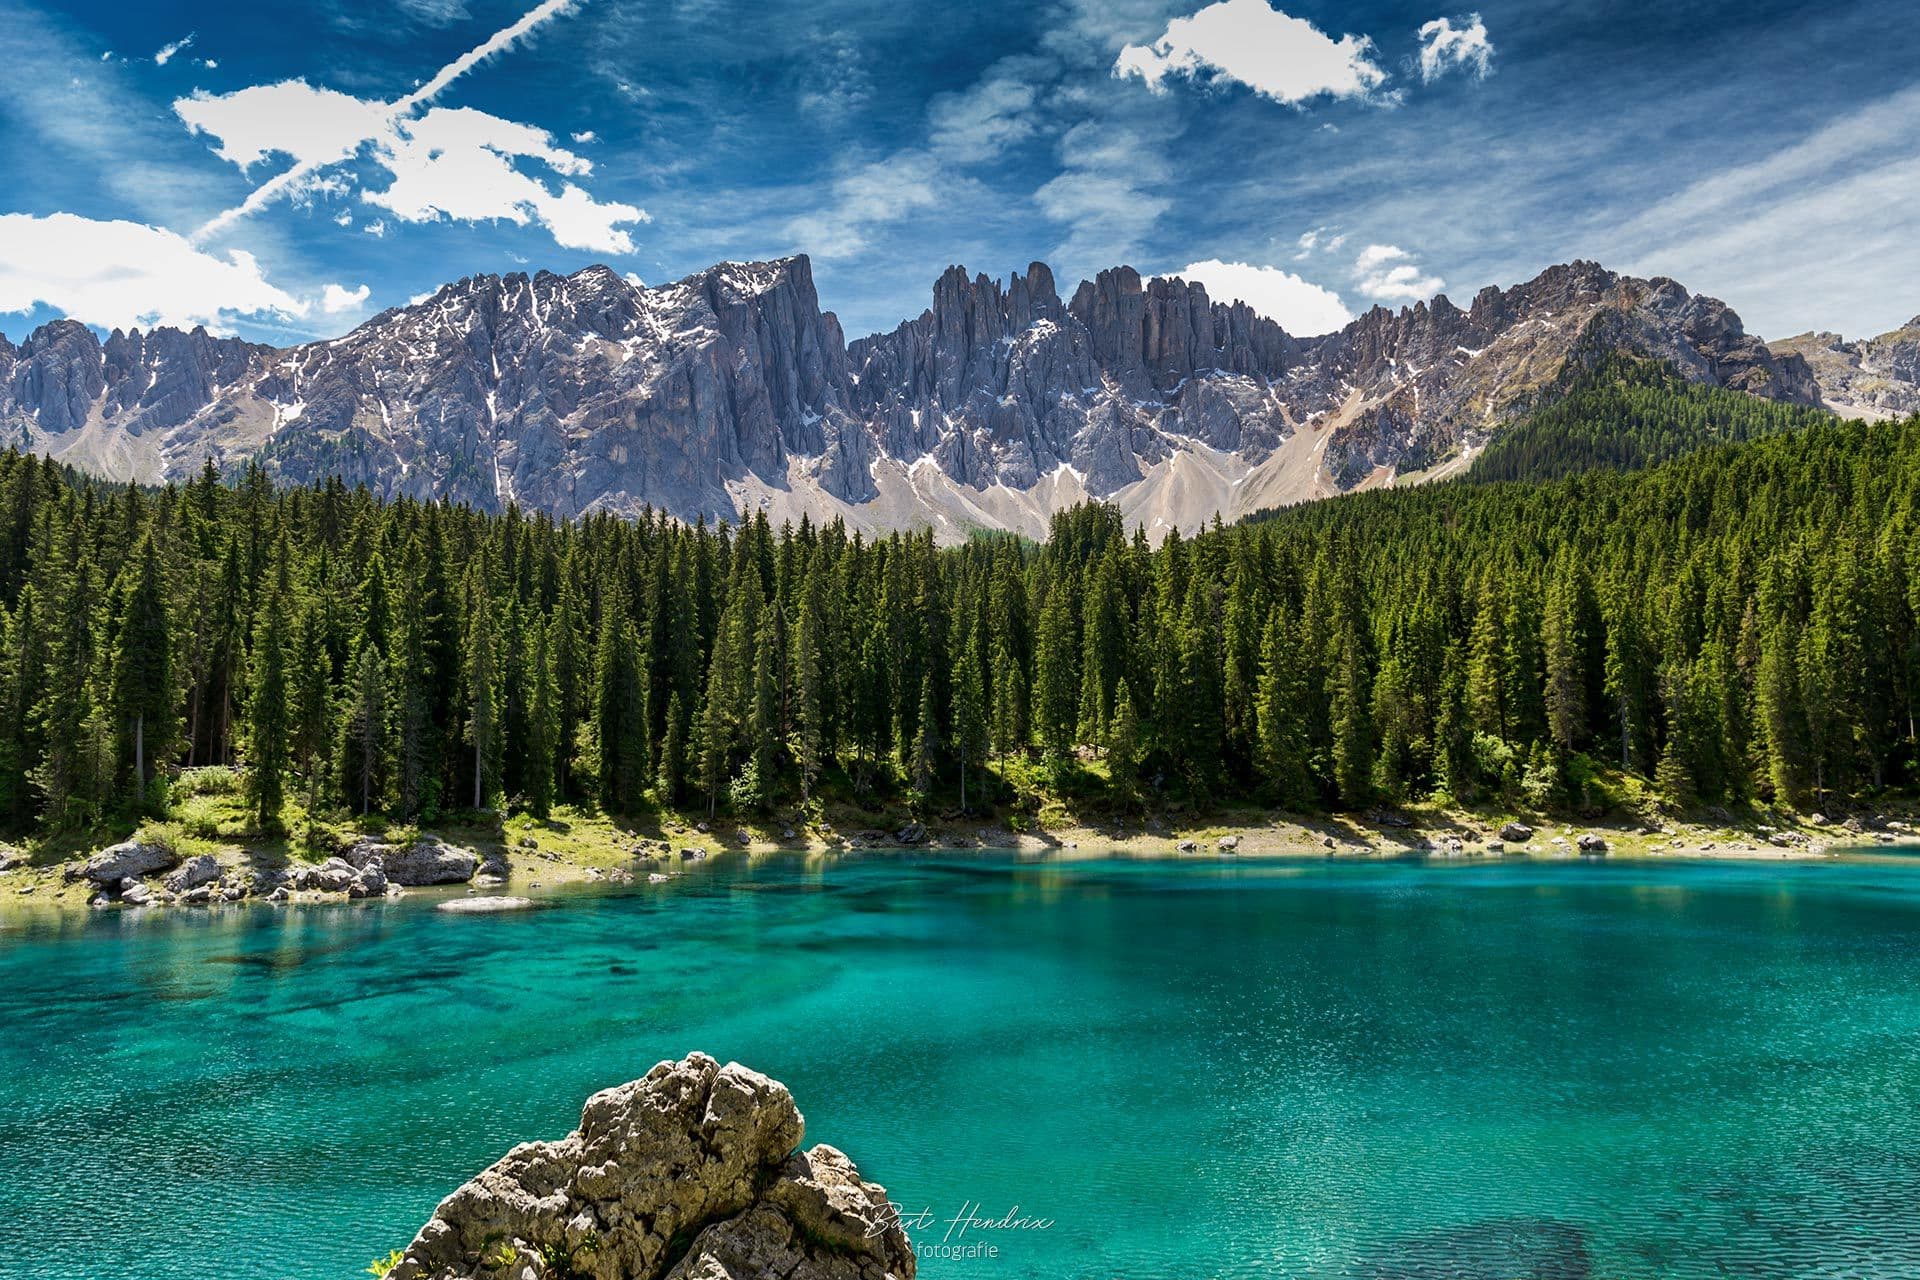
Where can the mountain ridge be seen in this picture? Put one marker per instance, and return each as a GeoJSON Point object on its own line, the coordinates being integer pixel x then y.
{"type": "Point", "coordinates": [732, 389]}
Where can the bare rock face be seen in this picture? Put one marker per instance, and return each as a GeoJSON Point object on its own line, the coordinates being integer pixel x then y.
{"type": "Point", "coordinates": [428, 860]}
{"type": "Point", "coordinates": [1866, 378]}
{"type": "Point", "coordinates": [130, 859]}
{"type": "Point", "coordinates": [688, 1173]}
{"type": "Point", "coordinates": [193, 873]}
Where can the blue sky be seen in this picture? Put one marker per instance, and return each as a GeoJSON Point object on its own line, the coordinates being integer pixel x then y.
{"type": "Point", "coordinates": [286, 171]}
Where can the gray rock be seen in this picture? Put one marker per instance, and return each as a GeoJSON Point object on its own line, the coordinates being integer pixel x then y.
{"type": "Point", "coordinates": [370, 881]}
{"type": "Point", "coordinates": [1187, 846]}
{"type": "Point", "coordinates": [1228, 844]}
{"type": "Point", "coordinates": [693, 1156]}
{"type": "Point", "coordinates": [912, 833]}
{"type": "Point", "coordinates": [1591, 843]}
{"type": "Point", "coordinates": [692, 855]}
{"type": "Point", "coordinates": [1516, 832]}
{"type": "Point", "coordinates": [333, 875]}
{"type": "Point", "coordinates": [128, 858]}
{"type": "Point", "coordinates": [430, 860]}
{"type": "Point", "coordinates": [194, 872]}
{"type": "Point", "coordinates": [137, 894]}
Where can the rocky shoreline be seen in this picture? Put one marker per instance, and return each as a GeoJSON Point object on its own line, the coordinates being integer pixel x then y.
{"type": "Point", "coordinates": [150, 872]}
{"type": "Point", "coordinates": [692, 1172]}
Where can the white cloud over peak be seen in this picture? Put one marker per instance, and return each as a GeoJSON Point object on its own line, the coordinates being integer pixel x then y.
{"type": "Point", "coordinates": [1450, 43]}
{"type": "Point", "coordinates": [1278, 56]}
{"type": "Point", "coordinates": [1388, 273]}
{"type": "Point", "coordinates": [866, 196]}
{"type": "Point", "coordinates": [1108, 192]}
{"type": "Point", "coordinates": [335, 299]}
{"type": "Point", "coordinates": [126, 274]}
{"type": "Point", "coordinates": [1299, 306]}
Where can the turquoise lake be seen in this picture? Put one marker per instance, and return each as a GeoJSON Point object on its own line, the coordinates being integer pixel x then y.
{"type": "Point", "coordinates": [1476, 1071]}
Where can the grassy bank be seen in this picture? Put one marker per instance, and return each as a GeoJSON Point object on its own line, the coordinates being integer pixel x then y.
{"type": "Point", "coordinates": [573, 845]}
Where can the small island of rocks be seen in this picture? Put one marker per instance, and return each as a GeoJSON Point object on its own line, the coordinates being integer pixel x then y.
{"type": "Point", "coordinates": [691, 1172]}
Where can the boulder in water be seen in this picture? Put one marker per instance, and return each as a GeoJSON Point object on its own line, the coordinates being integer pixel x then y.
{"type": "Point", "coordinates": [484, 906]}
{"type": "Point", "coordinates": [688, 1173]}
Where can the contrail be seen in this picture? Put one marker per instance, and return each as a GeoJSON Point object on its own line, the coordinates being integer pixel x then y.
{"type": "Point", "coordinates": [499, 42]}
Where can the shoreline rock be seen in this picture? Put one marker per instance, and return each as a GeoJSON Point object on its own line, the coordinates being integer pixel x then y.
{"type": "Point", "coordinates": [688, 1173]}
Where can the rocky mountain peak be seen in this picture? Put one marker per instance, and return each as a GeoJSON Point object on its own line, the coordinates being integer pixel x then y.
{"type": "Point", "coordinates": [732, 388]}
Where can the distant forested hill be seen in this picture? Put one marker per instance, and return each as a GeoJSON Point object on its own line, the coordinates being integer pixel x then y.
{"type": "Point", "coordinates": [1739, 622]}
{"type": "Point", "coordinates": [1618, 412]}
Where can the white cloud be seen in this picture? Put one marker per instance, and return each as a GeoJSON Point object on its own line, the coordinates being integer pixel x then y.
{"type": "Point", "coordinates": [167, 51]}
{"type": "Point", "coordinates": [1299, 306]}
{"type": "Point", "coordinates": [377, 229]}
{"type": "Point", "coordinates": [1388, 273]}
{"type": "Point", "coordinates": [864, 197]}
{"type": "Point", "coordinates": [1280, 57]}
{"type": "Point", "coordinates": [586, 138]}
{"type": "Point", "coordinates": [1318, 240]}
{"type": "Point", "coordinates": [1107, 192]}
{"type": "Point", "coordinates": [453, 162]}
{"type": "Point", "coordinates": [127, 274]}
{"type": "Point", "coordinates": [313, 127]}
{"type": "Point", "coordinates": [314, 144]}
{"type": "Point", "coordinates": [1445, 46]}
{"type": "Point", "coordinates": [334, 298]}
{"type": "Point", "coordinates": [211, 64]}
{"type": "Point", "coordinates": [990, 115]}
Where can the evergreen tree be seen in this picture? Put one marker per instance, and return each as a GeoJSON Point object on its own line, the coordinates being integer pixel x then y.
{"type": "Point", "coordinates": [483, 729]}
{"type": "Point", "coordinates": [312, 699]}
{"type": "Point", "coordinates": [1280, 716]}
{"type": "Point", "coordinates": [269, 713]}
{"type": "Point", "coordinates": [543, 727]}
{"type": "Point", "coordinates": [143, 662]}
{"type": "Point", "coordinates": [1124, 747]}
{"type": "Point", "coordinates": [1056, 682]}
{"type": "Point", "coordinates": [363, 733]}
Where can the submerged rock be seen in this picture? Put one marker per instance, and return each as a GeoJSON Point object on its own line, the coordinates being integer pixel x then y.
{"type": "Point", "coordinates": [688, 1173]}
{"type": "Point", "coordinates": [484, 906]}
{"type": "Point", "coordinates": [1497, 1249]}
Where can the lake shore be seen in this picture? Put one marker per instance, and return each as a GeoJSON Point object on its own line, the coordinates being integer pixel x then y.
{"type": "Point", "coordinates": [523, 856]}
